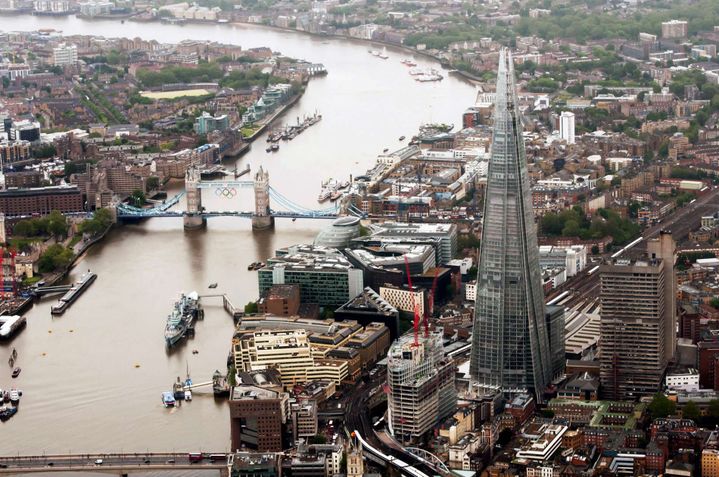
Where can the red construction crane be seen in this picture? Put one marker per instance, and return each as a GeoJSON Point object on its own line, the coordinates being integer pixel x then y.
{"type": "Point", "coordinates": [414, 302]}
{"type": "Point", "coordinates": [431, 303]}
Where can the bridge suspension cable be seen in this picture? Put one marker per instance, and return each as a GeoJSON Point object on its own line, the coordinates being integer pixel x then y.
{"type": "Point", "coordinates": [294, 207]}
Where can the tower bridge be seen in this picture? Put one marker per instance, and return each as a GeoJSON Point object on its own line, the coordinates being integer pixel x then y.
{"type": "Point", "coordinates": [263, 216]}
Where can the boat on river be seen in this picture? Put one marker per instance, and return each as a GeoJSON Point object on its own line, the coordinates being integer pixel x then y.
{"type": "Point", "coordinates": [168, 400]}
{"type": "Point", "coordinates": [184, 313]}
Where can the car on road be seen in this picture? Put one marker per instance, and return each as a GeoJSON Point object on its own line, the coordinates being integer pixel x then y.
{"type": "Point", "coordinates": [170, 461]}
{"type": "Point", "coordinates": [98, 462]}
{"type": "Point", "coordinates": [147, 460]}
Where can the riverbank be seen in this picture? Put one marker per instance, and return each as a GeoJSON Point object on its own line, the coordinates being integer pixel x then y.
{"type": "Point", "coordinates": [443, 63]}
{"type": "Point", "coordinates": [274, 116]}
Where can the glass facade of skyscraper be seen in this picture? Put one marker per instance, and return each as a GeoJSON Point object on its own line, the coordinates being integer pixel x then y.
{"type": "Point", "coordinates": [511, 336]}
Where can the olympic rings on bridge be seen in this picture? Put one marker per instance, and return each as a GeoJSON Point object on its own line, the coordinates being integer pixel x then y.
{"type": "Point", "coordinates": [226, 192]}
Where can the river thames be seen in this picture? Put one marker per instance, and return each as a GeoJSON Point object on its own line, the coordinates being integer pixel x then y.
{"type": "Point", "coordinates": [92, 379]}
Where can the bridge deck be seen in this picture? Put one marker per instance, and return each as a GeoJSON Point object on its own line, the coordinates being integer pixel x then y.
{"type": "Point", "coordinates": [110, 463]}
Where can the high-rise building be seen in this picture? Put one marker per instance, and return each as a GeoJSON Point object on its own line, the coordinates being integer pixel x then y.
{"type": "Point", "coordinates": [566, 126]}
{"type": "Point", "coordinates": [511, 335]}
{"type": "Point", "coordinates": [633, 327]}
{"type": "Point", "coordinates": [674, 29]}
{"type": "Point", "coordinates": [421, 385]}
{"type": "Point", "coordinates": [64, 55]}
{"type": "Point", "coordinates": [664, 248]}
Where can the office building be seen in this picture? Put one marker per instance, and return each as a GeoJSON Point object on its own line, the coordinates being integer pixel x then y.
{"type": "Point", "coordinates": [566, 127]}
{"type": "Point", "coordinates": [304, 419]}
{"type": "Point", "coordinates": [324, 275]}
{"type": "Point", "coordinates": [206, 123]}
{"type": "Point", "coordinates": [572, 258]}
{"type": "Point", "coordinates": [259, 413]}
{"type": "Point", "coordinates": [64, 55]}
{"type": "Point", "coordinates": [282, 300]}
{"type": "Point", "coordinates": [368, 307]}
{"type": "Point", "coordinates": [674, 29]}
{"type": "Point", "coordinates": [287, 351]}
{"type": "Point", "coordinates": [322, 369]}
{"type": "Point", "coordinates": [511, 335]}
{"type": "Point", "coordinates": [372, 344]}
{"type": "Point", "coordinates": [633, 327]}
{"type": "Point", "coordinates": [444, 234]}
{"type": "Point", "coordinates": [404, 299]}
{"type": "Point", "coordinates": [294, 347]}
{"type": "Point", "coordinates": [24, 130]}
{"type": "Point", "coordinates": [421, 386]}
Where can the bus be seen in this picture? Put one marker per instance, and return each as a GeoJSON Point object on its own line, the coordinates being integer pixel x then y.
{"type": "Point", "coordinates": [195, 457]}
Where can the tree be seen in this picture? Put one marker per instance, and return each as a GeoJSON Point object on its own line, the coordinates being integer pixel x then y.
{"type": "Point", "coordinates": [100, 221]}
{"type": "Point", "coordinates": [24, 228]}
{"type": "Point", "coordinates": [595, 249]}
{"type": "Point", "coordinates": [57, 224]}
{"type": "Point", "coordinates": [55, 258]}
{"type": "Point", "coordinates": [661, 406]}
{"type": "Point", "coordinates": [714, 302]}
{"type": "Point", "coordinates": [251, 308]}
{"type": "Point", "coordinates": [691, 411]}
{"type": "Point", "coordinates": [137, 198]}
{"type": "Point", "coordinates": [152, 183]}
{"type": "Point", "coordinates": [714, 408]}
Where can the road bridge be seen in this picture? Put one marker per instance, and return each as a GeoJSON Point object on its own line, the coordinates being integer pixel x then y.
{"type": "Point", "coordinates": [263, 216]}
{"type": "Point", "coordinates": [116, 464]}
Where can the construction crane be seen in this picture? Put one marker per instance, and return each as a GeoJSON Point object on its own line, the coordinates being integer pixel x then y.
{"type": "Point", "coordinates": [414, 302]}
{"type": "Point", "coordinates": [431, 303]}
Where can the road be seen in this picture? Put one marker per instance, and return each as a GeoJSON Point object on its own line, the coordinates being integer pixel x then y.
{"type": "Point", "coordinates": [105, 462]}
{"type": "Point", "coordinates": [585, 286]}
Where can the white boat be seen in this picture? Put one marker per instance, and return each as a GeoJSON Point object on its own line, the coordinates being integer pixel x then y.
{"type": "Point", "coordinates": [383, 55]}
{"type": "Point", "coordinates": [429, 75]}
{"type": "Point", "coordinates": [416, 71]}
{"type": "Point", "coordinates": [324, 195]}
{"type": "Point", "coordinates": [374, 52]}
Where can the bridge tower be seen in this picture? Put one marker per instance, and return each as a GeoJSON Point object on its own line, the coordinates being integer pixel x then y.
{"type": "Point", "coordinates": [262, 219]}
{"type": "Point", "coordinates": [193, 219]}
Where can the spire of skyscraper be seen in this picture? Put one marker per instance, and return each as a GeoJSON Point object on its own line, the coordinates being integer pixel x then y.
{"type": "Point", "coordinates": [511, 336]}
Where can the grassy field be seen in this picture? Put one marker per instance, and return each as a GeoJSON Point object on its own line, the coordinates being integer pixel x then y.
{"type": "Point", "coordinates": [173, 94]}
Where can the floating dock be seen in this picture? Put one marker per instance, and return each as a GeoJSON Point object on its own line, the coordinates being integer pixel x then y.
{"type": "Point", "coordinates": [73, 294]}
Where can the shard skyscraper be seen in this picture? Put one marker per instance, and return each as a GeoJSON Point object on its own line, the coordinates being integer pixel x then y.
{"type": "Point", "coordinates": [513, 337]}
